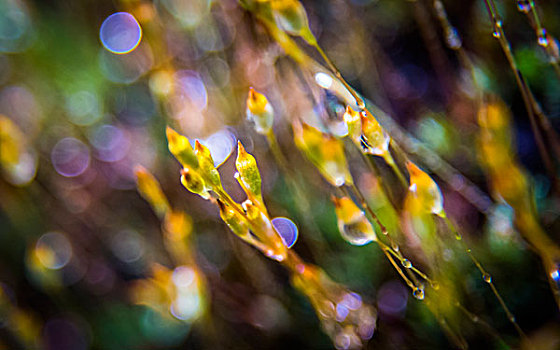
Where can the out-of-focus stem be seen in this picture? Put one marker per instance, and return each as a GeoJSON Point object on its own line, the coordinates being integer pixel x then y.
{"type": "Point", "coordinates": [530, 103]}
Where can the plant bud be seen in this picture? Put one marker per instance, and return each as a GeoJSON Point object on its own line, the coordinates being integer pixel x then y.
{"type": "Point", "coordinates": [248, 174]}
{"type": "Point", "coordinates": [207, 168]}
{"type": "Point", "coordinates": [425, 190]}
{"type": "Point", "coordinates": [180, 147]}
{"type": "Point", "coordinates": [325, 152]}
{"type": "Point", "coordinates": [194, 183]}
{"type": "Point", "coordinates": [352, 222]}
{"type": "Point", "coordinates": [374, 141]}
{"type": "Point", "coordinates": [290, 16]}
{"type": "Point", "coordinates": [260, 112]}
{"type": "Point", "coordinates": [354, 123]}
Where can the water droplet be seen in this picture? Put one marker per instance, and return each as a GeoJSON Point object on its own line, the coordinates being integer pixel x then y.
{"type": "Point", "coordinates": [406, 263]}
{"type": "Point", "coordinates": [323, 80]}
{"type": "Point", "coordinates": [555, 275]}
{"type": "Point", "coordinates": [358, 232]}
{"type": "Point", "coordinates": [542, 38]}
{"type": "Point", "coordinates": [524, 6]}
{"type": "Point", "coordinates": [270, 253]}
{"type": "Point", "coordinates": [287, 230]}
{"type": "Point", "coordinates": [120, 33]}
{"type": "Point", "coordinates": [475, 319]}
{"type": "Point", "coordinates": [339, 181]}
{"type": "Point", "coordinates": [487, 278]}
{"type": "Point", "coordinates": [418, 293]}
{"type": "Point", "coordinates": [361, 104]}
{"type": "Point", "coordinates": [497, 29]}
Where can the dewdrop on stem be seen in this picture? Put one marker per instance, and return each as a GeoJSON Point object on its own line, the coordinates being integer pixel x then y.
{"type": "Point", "coordinates": [418, 293]}
{"type": "Point", "coordinates": [260, 112]}
{"type": "Point", "coordinates": [542, 38]}
{"type": "Point", "coordinates": [406, 263]}
{"type": "Point", "coordinates": [287, 230]}
{"type": "Point", "coordinates": [497, 33]}
{"type": "Point", "coordinates": [524, 5]}
{"type": "Point", "coordinates": [555, 275]}
{"type": "Point", "coordinates": [352, 223]}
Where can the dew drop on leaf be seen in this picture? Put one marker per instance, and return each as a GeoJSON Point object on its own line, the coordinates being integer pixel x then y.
{"type": "Point", "coordinates": [287, 230]}
{"type": "Point", "coordinates": [418, 293]}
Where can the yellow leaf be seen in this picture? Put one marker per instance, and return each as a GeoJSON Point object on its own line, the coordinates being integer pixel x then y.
{"type": "Point", "coordinates": [206, 166]}
{"type": "Point", "coordinates": [180, 147]}
{"type": "Point", "coordinates": [260, 112]}
{"type": "Point", "coordinates": [248, 174]}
